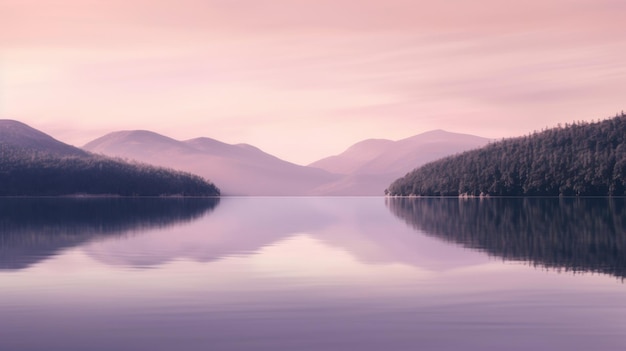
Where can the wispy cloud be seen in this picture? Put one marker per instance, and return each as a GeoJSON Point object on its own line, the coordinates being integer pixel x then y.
{"type": "Point", "coordinates": [282, 73]}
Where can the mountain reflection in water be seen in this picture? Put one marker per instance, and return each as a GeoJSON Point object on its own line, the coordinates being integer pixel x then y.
{"type": "Point", "coordinates": [33, 229]}
{"type": "Point", "coordinates": [573, 234]}
{"type": "Point", "coordinates": [311, 273]}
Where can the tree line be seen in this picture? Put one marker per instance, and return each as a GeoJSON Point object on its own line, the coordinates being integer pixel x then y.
{"type": "Point", "coordinates": [579, 159]}
{"type": "Point", "coordinates": [26, 172]}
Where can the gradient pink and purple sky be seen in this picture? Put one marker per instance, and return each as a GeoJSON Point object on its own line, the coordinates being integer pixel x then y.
{"type": "Point", "coordinates": [303, 79]}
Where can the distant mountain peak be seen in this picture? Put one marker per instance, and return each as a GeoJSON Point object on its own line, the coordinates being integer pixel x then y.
{"type": "Point", "coordinates": [382, 155]}
{"type": "Point", "coordinates": [14, 129]}
{"type": "Point", "coordinates": [203, 139]}
{"type": "Point", "coordinates": [437, 131]}
{"type": "Point", "coordinates": [142, 141]}
{"type": "Point", "coordinates": [440, 135]}
{"type": "Point", "coordinates": [368, 164]}
{"type": "Point", "coordinates": [11, 123]}
{"type": "Point", "coordinates": [19, 135]}
{"type": "Point", "coordinates": [354, 156]}
{"type": "Point", "coordinates": [136, 135]}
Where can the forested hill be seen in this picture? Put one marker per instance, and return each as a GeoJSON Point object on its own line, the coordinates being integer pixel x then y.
{"type": "Point", "coordinates": [35, 164]}
{"type": "Point", "coordinates": [582, 159]}
{"type": "Point", "coordinates": [21, 136]}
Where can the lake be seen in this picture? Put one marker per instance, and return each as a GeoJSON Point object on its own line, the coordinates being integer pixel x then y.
{"type": "Point", "coordinates": [312, 274]}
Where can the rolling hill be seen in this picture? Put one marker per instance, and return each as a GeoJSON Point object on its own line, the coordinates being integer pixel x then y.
{"type": "Point", "coordinates": [239, 169]}
{"type": "Point", "coordinates": [366, 168]}
{"type": "Point", "coordinates": [370, 165]}
{"type": "Point", "coordinates": [582, 159]}
{"type": "Point", "coordinates": [18, 135]}
{"type": "Point", "coordinates": [33, 163]}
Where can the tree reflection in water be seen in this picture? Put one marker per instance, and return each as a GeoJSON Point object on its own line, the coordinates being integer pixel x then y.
{"type": "Point", "coordinates": [571, 234]}
{"type": "Point", "coordinates": [33, 229]}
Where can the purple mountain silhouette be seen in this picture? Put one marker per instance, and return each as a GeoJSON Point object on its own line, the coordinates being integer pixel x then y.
{"type": "Point", "coordinates": [365, 168]}
{"type": "Point", "coordinates": [239, 169]}
{"type": "Point", "coordinates": [371, 165]}
{"type": "Point", "coordinates": [19, 135]}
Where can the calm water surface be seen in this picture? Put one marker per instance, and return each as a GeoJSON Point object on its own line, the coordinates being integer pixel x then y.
{"type": "Point", "coordinates": [312, 274]}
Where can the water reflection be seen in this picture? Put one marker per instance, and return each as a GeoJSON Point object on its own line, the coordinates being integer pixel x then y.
{"type": "Point", "coordinates": [240, 226]}
{"type": "Point", "coordinates": [567, 233]}
{"type": "Point", "coordinates": [33, 229]}
{"type": "Point", "coordinates": [293, 274]}
{"type": "Point", "coordinates": [245, 226]}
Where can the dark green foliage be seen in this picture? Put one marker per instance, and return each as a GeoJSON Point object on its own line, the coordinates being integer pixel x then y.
{"type": "Point", "coordinates": [582, 159]}
{"type": "Point", "coordinates": [571, 234]}
{"type": "Point", "coordinates": [25, 172]}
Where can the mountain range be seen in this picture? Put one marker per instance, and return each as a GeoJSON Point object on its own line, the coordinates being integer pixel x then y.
{"type": "Point", "coordinates": [369, 165]}
{"type": "Point", "coordinates": [364, 169]}
{"type": "Point", "coordinates": [239, 169]}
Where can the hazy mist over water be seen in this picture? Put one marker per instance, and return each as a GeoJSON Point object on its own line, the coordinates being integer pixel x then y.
{"type": "Point", "coordinates": [312, 274]}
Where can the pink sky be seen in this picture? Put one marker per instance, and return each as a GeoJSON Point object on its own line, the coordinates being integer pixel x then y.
{"type": "Point", "coordinates": [303, 79]}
